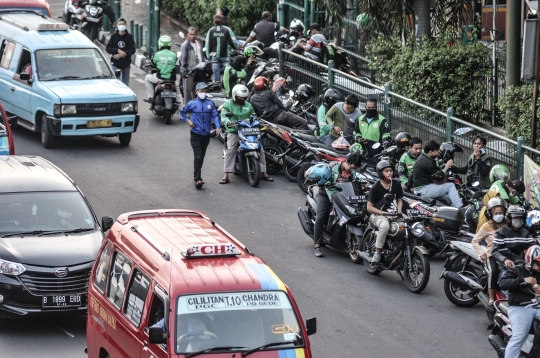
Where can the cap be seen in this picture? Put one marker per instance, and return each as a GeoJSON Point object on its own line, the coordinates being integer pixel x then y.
{"type": "Point", "coordinates": [517, 185]}
{"type": "Point", "coordinates": [315, 26]}
{"type": "Point", "coordinates": [200, 85]}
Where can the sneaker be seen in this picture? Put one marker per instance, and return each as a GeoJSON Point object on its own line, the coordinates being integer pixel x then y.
{"type": "Point", "coordinates": [376, 258]}
{"type": "Point", "coordinates": [318, 252]}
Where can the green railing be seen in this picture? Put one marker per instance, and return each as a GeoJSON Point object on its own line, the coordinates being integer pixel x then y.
{"type": "Point", "coordinates": [405, 114]}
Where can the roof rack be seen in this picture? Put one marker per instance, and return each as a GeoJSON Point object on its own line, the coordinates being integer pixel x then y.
{"type": "Point", "coordinates": [42, 24]}
{"type": "Point", "coordinates": [163, 213]}
{"type": "Point", "coordinates": [164, 253]}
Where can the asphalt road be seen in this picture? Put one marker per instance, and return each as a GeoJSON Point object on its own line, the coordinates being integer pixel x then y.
{"type": "Point", "coordinates": [358, 315]}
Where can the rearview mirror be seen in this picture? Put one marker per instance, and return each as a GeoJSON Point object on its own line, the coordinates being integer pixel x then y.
{"type": "Point", "coordinates": [311, 326]}
{"type": "Point", "coordinates": [155, 335]}
{"type": "Point", "coordinates": [376, 146]}
{"type": "Point", "coordinates": [106, 223]}
{"type": "Point", "coordinates": [229, 114]}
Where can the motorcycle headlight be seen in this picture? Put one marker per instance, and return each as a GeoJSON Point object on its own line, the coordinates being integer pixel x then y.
{"type": "Point", "coordinates": [350, 209]}
{"type": "Point", "coordinates": [11, 268]}
{"type": "Point", "coordinates": [128, 107]}
{"type": "Point", "coordinates": [69, 109]}
{"type": "Point", "coordinates": [242, 137]}
{"type": "Point", "coordinates": [418, 229]}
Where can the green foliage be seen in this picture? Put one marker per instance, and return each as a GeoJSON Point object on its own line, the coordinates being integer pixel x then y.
{"type": "Point", "coordinates": [516, 111]}
{"type": "Point", "coordinates": [441, 74]}
{"type": "Point", "coordinates": [199, 13]}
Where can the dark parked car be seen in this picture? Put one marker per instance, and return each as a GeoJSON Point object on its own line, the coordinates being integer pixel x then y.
{"type": "Point", "coordinates": [49, 238]}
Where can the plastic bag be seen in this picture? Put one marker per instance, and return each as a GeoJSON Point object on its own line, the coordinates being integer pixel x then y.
{"type": "Point", "coordinates": [341, 143]}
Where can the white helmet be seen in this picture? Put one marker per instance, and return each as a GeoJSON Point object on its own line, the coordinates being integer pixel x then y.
{"type": "Point", "coordinates": [296, 22]}
{"type": "Point", "coordinates": [239, 91]}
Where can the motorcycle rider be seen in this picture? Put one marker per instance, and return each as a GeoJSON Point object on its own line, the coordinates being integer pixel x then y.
{"type": "Point", "coordinates": [372, 128]}
{"type": "Point", "coordinates": [219, 41]}
{"type": "Point", "coordinates": [268, 106]}
{"type": "Point", "coordinates": [264, 30]}
{"type": "Point", "coordinates": [235, 72]}
{"type": "Point", "coordinates": [514, 237]}
{"type": "Point", "coordinates": [521, 281]}
{"type": "Point", "coordinates": [479, 164]}
{"type": "Point", "coordinates": [241, 109]}
{"type": "Point", "coordinates": [429, 180]}
{"type": "Point", "coordinates": [164, 60]}
{"type": "Point", "coordinates": [495, 212]}
{"type": "Point", "coordinates": [385, 197]}
{"type": "Point", "coordinates": [331, 97]}
{"type": "Point", "coordinates": [507, 189]}
{"type": "Point", "coordinates": [313, 48]}
{"type": "Point", "coordinates": [342, 117]}
{"type": "Point", "coordinates": [338, 172]}
{"type": "Point", "coordinates": [407, 161]}
{"type": "Point", "coordinates": [191, 55]}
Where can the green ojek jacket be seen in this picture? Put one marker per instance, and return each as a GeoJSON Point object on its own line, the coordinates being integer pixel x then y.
{"type": "Point", "coordinates": [165, 60]}
{"type": "Point", "coordinates": [405, 167]}
{"type": "Point", "coordinates": [240, 113]}
{"type": "Point", "coordinates": [500, 188]}
{"type": "Point", "coordinates": [324, 127]}
{"type": "Point", "coordinates": [373, 132]}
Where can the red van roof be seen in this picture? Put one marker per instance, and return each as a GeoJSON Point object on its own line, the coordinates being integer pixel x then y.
{"type": "Point", "coordinates": [164, 240]}
{"type": "Point", "coordinates": [24, 4]}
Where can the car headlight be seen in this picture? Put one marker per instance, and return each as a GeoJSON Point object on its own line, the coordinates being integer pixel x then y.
{"type": "Point", "coordinates": [57, 109]}
{"type": "Point", "coordinates": [128, 107]}
{"type": "Point", "coordinates": [69, 109]}
{"type": "Point", "coordinates": [11, 268]}
{"type": "Point", "coordinates": [418, 229]}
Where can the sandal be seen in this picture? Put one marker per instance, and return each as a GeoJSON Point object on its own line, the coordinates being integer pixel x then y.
{"type": "Point", "coordinates": [268, 178]}
{"type": "Point", "coordinates": [199, 183]}
{"type": "Point", "coordinates": [224, 181]}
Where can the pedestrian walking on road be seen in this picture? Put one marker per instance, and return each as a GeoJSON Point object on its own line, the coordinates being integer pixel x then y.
{"type": "Point", "coordinates": [192, 54]}
{"type": "Point", "coordinates": [121, 46]}
{"type": "Point", "coordinates": [203, 112]}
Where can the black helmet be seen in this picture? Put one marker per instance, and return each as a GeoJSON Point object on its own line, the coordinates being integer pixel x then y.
{"type": "Point", "coordinates": [382, 165]}
{"type": "Point", "coordinates": [515, 211]}
{"type": "Point", "coordinates": [332, 96]}
{"type": "Point", "coordinates": [304, 92]}
{"type": "Point", "coordinates": [448, 149]}
{"type": "Point", "coordinates": [402, 139]}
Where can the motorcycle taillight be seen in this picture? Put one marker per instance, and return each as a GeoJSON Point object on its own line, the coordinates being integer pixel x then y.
{"type": "Point", "coordinates": [168, 87]}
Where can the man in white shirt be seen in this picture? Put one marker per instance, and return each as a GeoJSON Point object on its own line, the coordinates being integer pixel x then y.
{"type": "Point", "coordinates": [191, 55]}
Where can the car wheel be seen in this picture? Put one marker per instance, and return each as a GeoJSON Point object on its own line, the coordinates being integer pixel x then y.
{"type": "Point", "coordinates": [47, 138]}
{"type": "Point", "coordinates": [124, 138]}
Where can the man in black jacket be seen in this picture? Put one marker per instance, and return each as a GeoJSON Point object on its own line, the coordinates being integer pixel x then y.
{"type": "Point", "coordinates": [429, 179]}
{"type": "Point", "coordinates": [219, 41]}
{"type": "Point", "coordinates": [521, 281]}
{"type": "Point", "coordinates": [268, 106]}
{"type": "Point", "coordinates": [264, 30]}
{"type": "Point", "coordinates": [121, 46]}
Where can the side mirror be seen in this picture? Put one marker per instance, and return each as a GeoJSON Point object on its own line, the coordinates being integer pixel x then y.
{"type": "Point", "coordinates": [311, 326]}
{"type": "Point", "coordinates": [229, 114]}
{"type": "Point", "coordinates": [106, 223]}
{"type": "Point", "coordinates": [118, 74]}
{"type": "Point", "coordinates": [155, 335]}
{"type": "Point", "coordinates": [24, 76]}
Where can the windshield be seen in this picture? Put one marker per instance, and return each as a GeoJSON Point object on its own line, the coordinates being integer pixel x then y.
{"type": "Point", "coordinates": [47, 211]}
{"type": "Point", "coordinates": [243, 320]}
{"type": "Point", "coordinates": [71, 64]}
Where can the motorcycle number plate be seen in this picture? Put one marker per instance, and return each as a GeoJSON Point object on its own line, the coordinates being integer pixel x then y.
{"type": "Point", "coordinates": [167, 94]}
{"type": "Point", "coordinates": [251, 131]}
{"type": "Point", "coordinates": [99, 123]}
{"type": "Point", "coordinates": [92, 19]}
{"type": "Point", "coordinates": [415, 213]}
{"type": "Point", "coordinates": [358, 199]}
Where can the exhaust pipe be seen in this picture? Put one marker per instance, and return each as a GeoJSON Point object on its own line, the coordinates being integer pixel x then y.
{"type": "Point", "coordinates": [305, 221]}
{"type": "Point", "coordinates": [497, 344]}
{"type": "Point", "coordinates": [290, 161]}
{"type": "Point", "coordinates": [273, 158]}
{"type": "Point", "coordinates": [364, 256]}
{"type": "Point", "coordinates": [462, 281]}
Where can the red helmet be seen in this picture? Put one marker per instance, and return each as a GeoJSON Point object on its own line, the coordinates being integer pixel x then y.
{"type": "Point", "coordinates": [260, 83]}
{"type": "Point", "coordinates": [532, 254]}
{"type": "Point", "coordinates": [280, 82]}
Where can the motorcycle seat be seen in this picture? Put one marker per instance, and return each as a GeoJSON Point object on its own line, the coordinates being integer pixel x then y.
{"type": "Point", "coordinates": [289, 129]}
{"type": "Point", "coordinates": [503, 307]}
{"type": "Point", "coordinates": [317, 143]}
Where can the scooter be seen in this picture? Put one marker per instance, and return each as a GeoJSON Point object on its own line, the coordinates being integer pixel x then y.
{"type": "Point", "coordinates": [92, 20]}
{"type": "Point", "coordinates": [73, 14]}
{"type": "Point", "coordinates": [164, 102]}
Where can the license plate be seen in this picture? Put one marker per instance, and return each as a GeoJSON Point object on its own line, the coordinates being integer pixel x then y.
{"type": "Point", "coordinates": [99, 123]}
{"type": "Point", "coordinates": [358, 199]}
{"type": "Point", "coordinates": [92, 19]}
{"type": "Point", "coordinates": [167, 94]}
{"type": "Point", "coordinates": [61, 301]}
{"type": "Point", "coordinates": [251, 131]}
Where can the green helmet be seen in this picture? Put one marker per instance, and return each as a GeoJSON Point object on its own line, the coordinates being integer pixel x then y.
{"type": "Point", "coordinates": [252, 51]}
{"type": "Point", "coordinates": [499, 172]}
{"type": "Point", "coordinates": [358, 148]}
{"type": "Point", "coordinates": [164, 40]}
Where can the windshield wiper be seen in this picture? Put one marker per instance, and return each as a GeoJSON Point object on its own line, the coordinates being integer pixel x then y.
{"type": "Point", "coordinates": [65, 232]}
{"type": "Point", "coordinates": [22, 233]}
{"type": "Point", "coordinates": [65, 78]}
{"type": "Point", "coordinates": [98, 76]}
{"type": "Point", "coordinates": [204, 351]}
{"type": "Point", "coordinates": [275, 344]}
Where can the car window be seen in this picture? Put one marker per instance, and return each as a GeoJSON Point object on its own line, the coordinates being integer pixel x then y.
{"type": "Point", "coordinates": [71, 64]}
{"type": "Point", "coordinates": [7, 53]}
{"type": "Point", "coordinates": [138, 290]}
{"type": "Point", "coordinates": [102, 270]}
{"type": "Point", "coordinates": [118, 280]}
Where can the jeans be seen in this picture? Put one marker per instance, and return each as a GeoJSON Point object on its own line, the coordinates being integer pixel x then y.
{"type": "Point", "coordinates": [323, 207]}
{"type": "Point", "coordinates": [218, 64]}
{"type": "Point", "coordinates": [326, 139]}
{"type": "Point", "coordinates": [446, 191]}
{"type": "Point", "coordinates": [125, 74]}
{"type": "Point", "coordinates": [290, 120]}
{"type": "Point", "coordinates": [521, 319]}
{"type": "Point", "coordinates": [199, 143]}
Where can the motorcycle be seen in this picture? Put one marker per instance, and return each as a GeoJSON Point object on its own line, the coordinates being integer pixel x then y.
{"type": "Point", "coordinates": [73, 14]}
{"type": "Point", "coordinates": [347, 218]}
{"type": "Point", "coordinates": [164, 102]}
{"type": "Point", "coordinates": [92, 20]}
{"type": "Point", "coordinates": [247, 155]}
{"type": "Point", "coordinates": [401, 251]}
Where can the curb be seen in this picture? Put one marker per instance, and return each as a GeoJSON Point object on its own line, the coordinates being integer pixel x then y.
{"type": "Point", "coordinates": [138, 59]}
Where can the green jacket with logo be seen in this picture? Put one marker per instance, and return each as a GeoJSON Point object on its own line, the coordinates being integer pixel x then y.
{"type": "Point", "coordinates": [165, 60]}
{"type": "Point", "coordinates": [500, 188]}
{"type": "Point", "coordinates": [405, 167]}
{"type": "Point", "coordinates": [240, 113]}
{"type": "Point", "coordinates": [232, 77]}
{"type": "Point", "coordinates": [335, 178]}
{"type": "Point", "coordinates": [374, 132]}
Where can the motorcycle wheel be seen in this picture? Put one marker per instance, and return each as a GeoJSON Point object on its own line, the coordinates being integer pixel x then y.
{"type": "Point", "coordinates": [167, 116]}
{"type": "Point", "coordinates": [287, 171]}
{"type": "Point", "coordinates": [418, 278]}
{"type": "Point", "coordinates": [300, 177]}
{"type": "Point", "coordinates": [354, 246]}
{"type": "Point", "coordinates": [254, 175]}
{"type": "Point", "coordinates": [458, 296]}
{"type": "Point", "coordinates": [369, 247]}
{"type": "Point", "coordinates": [273, 168]}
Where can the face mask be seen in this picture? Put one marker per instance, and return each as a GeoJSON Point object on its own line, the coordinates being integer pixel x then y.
{"type": "Point", "coordinates": [121, 28]}
{"type": "Point", "coordinates": [371, 113]}
{"type": "Point", "coordinates": [201, 95]}
{"type": "Point", "coordinates": [517, 223]}
{"type": "Point", "coordinates": [64, 214]}
{"type": "Point", "coordinates": [498, 218]}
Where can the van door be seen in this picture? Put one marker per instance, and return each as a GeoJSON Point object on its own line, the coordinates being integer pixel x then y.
{"type": "Point", "coordinates": [156, 315]}
{"type": "Point", "coordinates": [21, 90]}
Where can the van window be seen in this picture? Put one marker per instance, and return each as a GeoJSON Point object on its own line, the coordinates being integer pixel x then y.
{"type": "Point", "coordinates": [25, 62]}
{"type": "Point", "coordinates": [120, 272]}
{"type": "Point", "coordinates": [71, 64]}
{"type": "Point", "coordinates": [138, 290]}
{"type": "Point", "coordinates": [7, 53]}
{"type": "Point", "coordinates": [100, 280]}
{"type": "Point", "coordinates": [157, 314]}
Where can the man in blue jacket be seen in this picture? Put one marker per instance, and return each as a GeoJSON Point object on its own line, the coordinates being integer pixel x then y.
{"type": "Point", "coordinates": [203, 111]}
